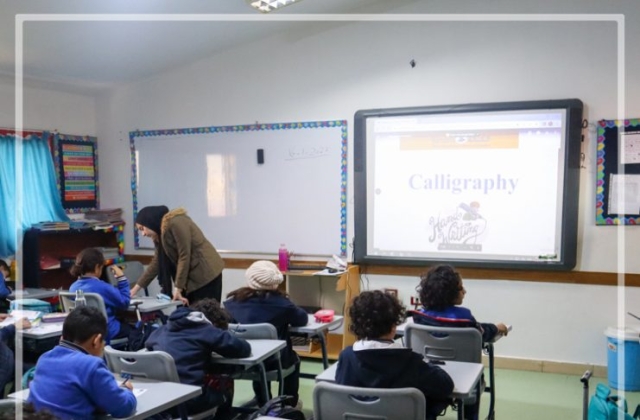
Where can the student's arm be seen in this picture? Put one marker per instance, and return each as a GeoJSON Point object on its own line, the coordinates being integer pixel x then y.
{"type": "Point", "coordinates": [108, 395]}
{"type": "Point", "coordinates": [227, 345]}
{"type": "Point", "coordinates": [181, 233]}
{"type": "Point", "coordinates": [119, 297]}
{"type": "Point", "coordinates": [435, 382]}
{"type": "Point", "coordinates": [7, 333]}
{"type": "Point", "coordinates": [4, 290]}
{"type": "Point", "coordinates": [149, 274]}
{"type": "Point", "coordinates": [298, 317]}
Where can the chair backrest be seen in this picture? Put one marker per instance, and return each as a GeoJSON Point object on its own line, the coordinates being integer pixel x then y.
{"type": "Point", "coordinates": [332, 401]}
{"type": "Point", "coordinates": [445, 343]}
{"type": "Point", "coordinates": [132, 269]}
{"type": "Point", "coordinates": [157, 365]}
{"type": "Point", "coordinates": [67, 301]}
{"type": "Point", "coordinates": [263, 331]}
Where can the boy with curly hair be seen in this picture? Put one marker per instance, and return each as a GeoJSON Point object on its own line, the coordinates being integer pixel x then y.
{"type": "Point", "coordinates": [376, 361]}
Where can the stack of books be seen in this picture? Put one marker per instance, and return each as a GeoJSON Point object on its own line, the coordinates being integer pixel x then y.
{"type": "Point", "coordinates": [109, 253]}
{"type": "Point", "coordinates": [105, 215]}
{"type": "Point", "coordinates": [51, 226]}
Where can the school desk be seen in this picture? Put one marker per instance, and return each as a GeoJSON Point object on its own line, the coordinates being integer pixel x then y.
{"type": "Point", "coordinates": [261, 350]}
{"type": "Point", "coordinates": [32, 293]}
{"type": "Point", "coordinates": [152, 304]}
{"type": "Point", "coordinates": [465, 377]}
{"type": "Point", "coordinates": [156, 397]}
{"type": "Point", "coordinates": [318, 329]}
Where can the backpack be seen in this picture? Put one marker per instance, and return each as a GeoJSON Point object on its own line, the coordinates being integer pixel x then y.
{"type": "Point", "coordinates": [139, 334]}
{"type": "Point", "coordinates": [604, 406]}
{"type": "Point", "coordinates": [279, 407]}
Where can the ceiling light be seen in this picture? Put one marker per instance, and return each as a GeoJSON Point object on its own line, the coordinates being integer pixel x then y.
{"type": "Point", "coordinates": [266, 6]}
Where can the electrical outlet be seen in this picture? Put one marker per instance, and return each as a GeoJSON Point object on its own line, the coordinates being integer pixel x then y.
{"type": "Point", "coordinates": [415, 300]}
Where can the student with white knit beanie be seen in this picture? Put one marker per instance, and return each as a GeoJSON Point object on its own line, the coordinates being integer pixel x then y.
{"type": "Point", "coordinates": [261, 301]}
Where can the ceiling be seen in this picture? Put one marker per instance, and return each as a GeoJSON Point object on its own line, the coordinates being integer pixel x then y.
{"type": "Point", "coordinates": [88, 56]}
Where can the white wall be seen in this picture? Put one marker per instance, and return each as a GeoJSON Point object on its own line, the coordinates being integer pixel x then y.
{"type": "Point", "coordinates": [316, 74]}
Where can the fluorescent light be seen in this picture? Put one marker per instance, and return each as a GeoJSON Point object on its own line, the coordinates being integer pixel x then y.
{"type": "Point", "coordinates": [266, 6]}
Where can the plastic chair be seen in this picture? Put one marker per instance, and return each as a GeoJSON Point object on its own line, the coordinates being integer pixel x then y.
{"type": "Point", "coordinates": [451, 343]}
{"type": "Point", "coordinates": [332, 401]}
{"type": "Point", "coordinates": [67, 302]}
{"type": "Point", "coordinates": [132, 269]}
{"type": "Point", "coordinates": [156, 365]}
{"type": "Point", "coordinates": [262, 331]}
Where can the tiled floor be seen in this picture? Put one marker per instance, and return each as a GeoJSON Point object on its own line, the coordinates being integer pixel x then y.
{"type": "Point", "coordinates": [519, 395]}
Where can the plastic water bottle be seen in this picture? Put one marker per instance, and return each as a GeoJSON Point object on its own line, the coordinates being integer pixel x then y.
{"type": "Point", "coordinates": [283, 258]}
{"type": "Point", "coordinates": [80, 299]}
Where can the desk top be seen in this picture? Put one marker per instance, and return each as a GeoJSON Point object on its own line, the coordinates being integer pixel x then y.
{"type": "Point", "coordinates": [314, 327]}
{"type": "Point", "coordinates": [465, 376]}
{"type": "Point", "coordinates": [43, 330]}
{"type": "Point", "coordinates": [151, 304]}
{"type": "Point", "coordinates": [157, 397]}
{"type": "Point", "coordinates": [32, 293]}
{"type": "Point", "coordinates": [260, 351]}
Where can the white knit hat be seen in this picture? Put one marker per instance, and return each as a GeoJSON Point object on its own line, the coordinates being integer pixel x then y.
{"type": "Point", "coordinates": [263, 275]}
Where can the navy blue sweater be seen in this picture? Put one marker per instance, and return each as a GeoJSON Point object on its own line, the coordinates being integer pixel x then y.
{"type": "Point", "coordinates": [274, 309]}
{"type": "Point", "coordinates": [455, 316]}
{"type": "Point", "coordinates": [395, 368]}
{"type": "Point", "coordinates": [190, 338]}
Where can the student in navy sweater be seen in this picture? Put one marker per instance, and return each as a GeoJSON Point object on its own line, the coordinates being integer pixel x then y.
{"type": "Point", "coordinates": [441, 292]}
{"type": "Point", "coordinates": [88, 268]}
{"type": "Point", "coordinates": [4, 278]}
{"type": "Point", "coordinates": [376, 361]}
{"type": "Point", "coordinates": [189, 337]}
{"type": "Point", "coordinates": [72, 381]}
{"type": "Point", "coordinates": [7, 334]}
{"type": "Point", "coordinates": [261, 301]}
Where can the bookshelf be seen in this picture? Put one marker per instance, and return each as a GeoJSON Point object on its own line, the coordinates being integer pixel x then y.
{"type": "Point", "coordinates": [63, 246]}
{"type": "Point", "coordinates": [336, 292]}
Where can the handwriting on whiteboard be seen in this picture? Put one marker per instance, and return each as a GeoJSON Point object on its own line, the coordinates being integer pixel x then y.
{"type": "Point", "coordinates": [307, 152]}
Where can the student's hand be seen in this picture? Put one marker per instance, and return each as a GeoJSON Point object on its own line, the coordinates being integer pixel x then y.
{"type": "Point", "coordinates": [128, 385]}
{"type": "Point", "coordinates": [134, 290]}
{"type": "Point", "coordinates": [4, 316]}
{"type": "Point", "coordinates": [117, 271]}
{"type": "Point", "coordinates": [23, 324]}
{"type": "Point", "coordinates": [502, 329]}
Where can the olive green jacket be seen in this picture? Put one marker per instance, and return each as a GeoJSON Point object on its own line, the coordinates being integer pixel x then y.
{"type": "Point", "coordinates": [197, 261]}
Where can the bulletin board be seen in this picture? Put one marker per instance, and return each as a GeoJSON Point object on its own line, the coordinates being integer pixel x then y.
{"type": "Point", "coordinates": [618, 160]}
{"type": "Point", "coordinates": [249, 188]}
{"type": "Point", "coordinates": [76, 163]}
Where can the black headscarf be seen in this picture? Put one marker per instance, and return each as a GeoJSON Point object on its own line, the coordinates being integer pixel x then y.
{"type": "Point", "coordinates": [151, 218]}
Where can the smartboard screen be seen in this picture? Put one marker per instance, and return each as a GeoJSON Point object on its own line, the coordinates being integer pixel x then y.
{"type": "Point", "coordinates": [492, 185]}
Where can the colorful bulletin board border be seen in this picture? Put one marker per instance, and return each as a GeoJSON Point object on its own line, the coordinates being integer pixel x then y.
{"type": "Point", "coordinates": [253, 127]}
{"type": "Point", "coordinates": [76, 162]}
{"type": "Point", "coordinates": [608, 161]}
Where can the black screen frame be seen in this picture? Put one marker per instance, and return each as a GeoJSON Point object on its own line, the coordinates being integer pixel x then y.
{"type": "Point", "coordinates": [569, 227]}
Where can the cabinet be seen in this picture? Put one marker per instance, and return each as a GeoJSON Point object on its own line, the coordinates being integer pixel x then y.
{"type": "Point", "coordinates": [62, 246]}
{"type": "Point", "coordinates": [327, 292]}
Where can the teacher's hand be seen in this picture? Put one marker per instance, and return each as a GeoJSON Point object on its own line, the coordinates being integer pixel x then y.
{"type": "Point", "coordinates": [177, 295]}
{"type": "Point", "coordinates": [134, 290]}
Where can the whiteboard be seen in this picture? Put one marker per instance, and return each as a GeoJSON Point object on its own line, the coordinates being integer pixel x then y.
{"type": "Point", "coordinates": [296, 197]}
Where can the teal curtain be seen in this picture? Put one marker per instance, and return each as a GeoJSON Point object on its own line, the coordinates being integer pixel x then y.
{"type": "Point", "coordinates": [40, 195]}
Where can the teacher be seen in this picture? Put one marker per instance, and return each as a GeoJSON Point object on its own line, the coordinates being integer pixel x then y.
{"type": "Point", "coordinates": [182, 253]}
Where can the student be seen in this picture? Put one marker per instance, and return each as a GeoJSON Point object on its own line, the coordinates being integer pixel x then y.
{"type": "Point", "coordinates": [5, 273]}
{"type": "Point", "coordinates": [88, 268]}
{"type": "Point", "coordinates": [182, 253]}
{"type": "Point", "coordinates": [441, 292]}
{"type": "Point", "coordinates": [376, 361]}
{"type": "Point", "coordinates": [7, 334]}
{"type": "Point", "coordinates": [262, 302]}
{"type": "Point", "coordinates": [189, 337]}
{"type": "Point", "coordinates": [72, 381]}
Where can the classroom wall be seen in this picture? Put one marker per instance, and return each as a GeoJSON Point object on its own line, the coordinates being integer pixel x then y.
{"type": "Point", "coordinates": [46, 109]}
{"type": "Point", "coordinates": [315, 73]}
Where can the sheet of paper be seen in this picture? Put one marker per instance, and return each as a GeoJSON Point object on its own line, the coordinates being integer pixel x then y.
{"type": "Point", "coordinates": [629, 149]}
{"type": "Point", "coordinates": [629, 202]}
{"type": "Point", "coordinates": [21, 313]}
{"type": "Point", "coordinates": [139, 391]}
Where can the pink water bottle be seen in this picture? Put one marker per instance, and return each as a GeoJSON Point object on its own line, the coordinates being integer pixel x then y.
{"type": "Point", "coordinates": [283, 258]}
